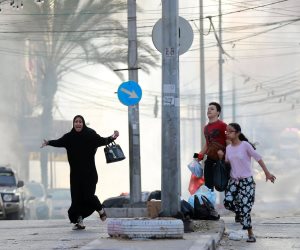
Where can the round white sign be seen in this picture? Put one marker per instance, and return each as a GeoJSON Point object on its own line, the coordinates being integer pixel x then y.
{"type": "Point", "coordinates": [185, 33]}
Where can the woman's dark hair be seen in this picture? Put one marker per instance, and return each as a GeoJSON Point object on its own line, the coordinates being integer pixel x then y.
{"type": "Point", "coordinates": [242, 137]}
{"type": "Point", "coordinates": [218, 106]}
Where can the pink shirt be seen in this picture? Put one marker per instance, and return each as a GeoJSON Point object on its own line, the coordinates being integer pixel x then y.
{"type": "Point", "coordinates": [239, 158]}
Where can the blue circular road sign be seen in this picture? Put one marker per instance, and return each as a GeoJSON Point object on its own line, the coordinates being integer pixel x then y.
{"type": "Point", "coordinates": [129, 93]}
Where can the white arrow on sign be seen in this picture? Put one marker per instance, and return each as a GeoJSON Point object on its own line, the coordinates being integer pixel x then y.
{"type": "Point", "coordinates": [131, 94]}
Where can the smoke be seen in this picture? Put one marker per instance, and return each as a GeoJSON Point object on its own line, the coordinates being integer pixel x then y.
{"type": "Point", "coordinates": [9, 147]}
{"type": "Point", "coordinates": [11, 95]}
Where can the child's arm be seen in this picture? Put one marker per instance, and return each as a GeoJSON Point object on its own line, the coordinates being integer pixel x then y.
{"type": "Point", "coordinates": [202, 152]}
{"type": "Point", "coordinates": [269, 176]}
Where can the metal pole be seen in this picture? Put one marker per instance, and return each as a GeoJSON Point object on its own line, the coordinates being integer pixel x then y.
{"type": "Point", "coordinates": [51, 170]}
{"type": "Point", "coordinates": [171, 188]}
{"type": "Point", "coordinates": [133, 111]}
{"type": "Point", "coordinates": [233, 100]}
{"type": "Point", "coordinates": [233, 92]}
{"type": "Point", "coordinates": [202, 76]}
{"type": "Point", "coordinates": [220, 60]}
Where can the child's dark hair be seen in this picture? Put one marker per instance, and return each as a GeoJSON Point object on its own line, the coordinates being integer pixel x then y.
{"type": "Point", "coordinates": [218, 106]}
{"type": "Point", "coordinates": [242, 137]}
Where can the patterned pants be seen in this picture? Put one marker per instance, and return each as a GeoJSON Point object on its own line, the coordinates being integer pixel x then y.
{"type": "Point", "coordinates": [239, 198]}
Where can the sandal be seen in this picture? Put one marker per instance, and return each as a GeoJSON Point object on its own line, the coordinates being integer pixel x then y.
{"type": "Point", "coordinates": [102, 214]}
{"type": "Point", "coordinates": [251, 239]}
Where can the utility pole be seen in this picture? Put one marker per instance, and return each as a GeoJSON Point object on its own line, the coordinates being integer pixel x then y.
{"type": "Point", "coordinates": [220, 60]}
{"type": "Point", "coordinates": [233, 91]}
{"type": "Point", "coordinates": [133, 111]}
{"type": "Point", "coordinates": [233, 100]}
{"type": "Point", "coordinates": [221, 194]}
{"type": "Point", "coordinates": [202, 77]}
{"type": "Point", "coordinates": [171, 188]}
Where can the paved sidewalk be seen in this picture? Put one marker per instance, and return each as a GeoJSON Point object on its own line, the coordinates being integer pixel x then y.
{"type": "Point", "coordinates": [57, 234]}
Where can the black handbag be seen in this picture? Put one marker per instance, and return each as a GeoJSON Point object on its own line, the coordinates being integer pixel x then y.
{"type": "Point", "coordinates": [221, 175]}
{"type": "Point", "coordinates": [113, 153]}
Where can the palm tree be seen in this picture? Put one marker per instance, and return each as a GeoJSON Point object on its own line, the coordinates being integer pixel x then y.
{"type": "Point", "coordinates": [65, 34]}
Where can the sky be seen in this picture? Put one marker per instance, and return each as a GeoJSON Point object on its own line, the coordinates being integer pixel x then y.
{"type": "Point", "coordinates": [261, 54]}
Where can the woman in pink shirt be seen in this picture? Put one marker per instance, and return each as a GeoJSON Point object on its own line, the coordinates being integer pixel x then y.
{"type": "Point", "coordinates": [240, 192]}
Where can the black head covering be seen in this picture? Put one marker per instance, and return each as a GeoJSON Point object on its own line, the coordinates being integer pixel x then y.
{"type": "Point", "coordinates": [84, 128]}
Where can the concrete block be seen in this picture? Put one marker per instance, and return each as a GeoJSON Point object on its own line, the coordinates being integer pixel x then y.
{"type": "Point", "coordinates": [153, 208]}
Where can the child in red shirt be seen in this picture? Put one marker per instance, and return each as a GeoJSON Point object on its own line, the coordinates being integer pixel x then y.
{"type": "Point", "coordinates": [214, 133]}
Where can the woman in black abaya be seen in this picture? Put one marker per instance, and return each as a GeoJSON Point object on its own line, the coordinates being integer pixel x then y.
{"type": "Point", "coordinates": [81, 144]}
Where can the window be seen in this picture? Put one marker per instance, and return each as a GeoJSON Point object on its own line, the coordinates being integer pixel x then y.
{"type": "Point", "coordinates": [7, 179]}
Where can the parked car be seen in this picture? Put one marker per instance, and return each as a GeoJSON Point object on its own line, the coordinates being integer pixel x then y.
{"type": "Point", "coordinates": [12, 195]}
{"type": "Point", "coordinates": [36, 201]}
{"type": "Point", "coordinates": [60, 201]}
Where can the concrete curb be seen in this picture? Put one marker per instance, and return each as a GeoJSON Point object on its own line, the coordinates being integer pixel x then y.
{"type": "Point", "coordinates": [206, 238]}
{"type": "Point", "coordinates": [206, 235]}
{"type": "Point", "coordinates": [210, 237]}
{"type": "Point", "coordinates": [145, 228]}
{"type": "Point", "coordinates": [217, 237]}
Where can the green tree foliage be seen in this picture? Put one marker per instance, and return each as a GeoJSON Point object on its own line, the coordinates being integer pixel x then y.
{"type": "Point", "coordinates": [68, 34]}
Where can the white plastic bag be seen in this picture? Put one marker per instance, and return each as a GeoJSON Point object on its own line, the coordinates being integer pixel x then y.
{"type": "Point", "coordinates": [205, 191]}
{"type": "Point", "coordinates": [196, 168]}
{"type": "Point", "coordinates": [238, 235]}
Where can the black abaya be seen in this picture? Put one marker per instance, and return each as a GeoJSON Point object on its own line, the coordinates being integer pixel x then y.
{"type": "Point", "coordinates": [81, 149]}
